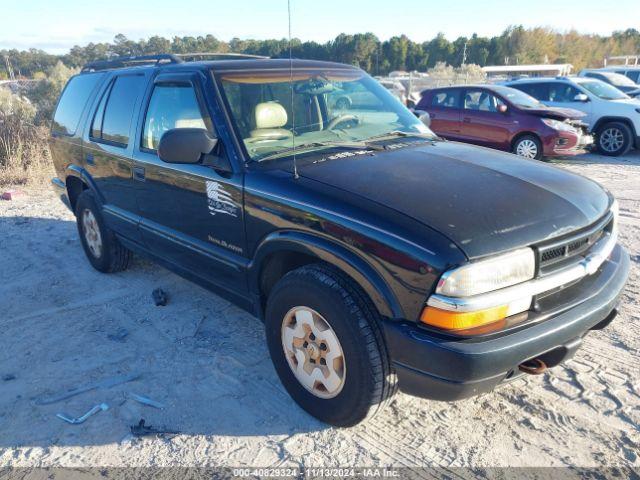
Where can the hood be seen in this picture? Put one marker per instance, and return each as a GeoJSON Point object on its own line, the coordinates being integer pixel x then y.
{"type": "Point", "coordinates": [555, 113]}
{"type": "Point", "coordinates": [484, 201]}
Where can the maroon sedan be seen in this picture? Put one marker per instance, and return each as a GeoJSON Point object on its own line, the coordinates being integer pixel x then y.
{"type": "Point", "coordinates": [505, 118]}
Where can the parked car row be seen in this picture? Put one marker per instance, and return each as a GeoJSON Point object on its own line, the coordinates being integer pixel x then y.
{"type": "Point", "coordinates": [541, 117]}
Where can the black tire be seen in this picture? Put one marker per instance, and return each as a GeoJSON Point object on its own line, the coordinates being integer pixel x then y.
{"type": "Point", "coordinates": [369, 381]}
{"type": "Point", "coordinates": [112, 256]}
{"type": "Point", "coordinates": [614, 139]}
{"type": "Point", "coordinates": [533, 145]}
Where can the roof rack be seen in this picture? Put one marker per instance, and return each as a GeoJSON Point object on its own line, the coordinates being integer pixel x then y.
{"type": "Point", "coordinates": [122, 62]}
{"type": "Point", "coordinates": [162, 59]}
{"type": "Point", "coordinates": [214, 55]}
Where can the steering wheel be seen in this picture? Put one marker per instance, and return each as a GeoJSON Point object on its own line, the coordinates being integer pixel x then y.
{"type": "Point", "coordinates": [344, 118]}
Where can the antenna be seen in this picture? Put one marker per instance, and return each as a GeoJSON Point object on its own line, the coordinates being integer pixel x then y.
{"type": "Point", "coordinates": [293, 111]}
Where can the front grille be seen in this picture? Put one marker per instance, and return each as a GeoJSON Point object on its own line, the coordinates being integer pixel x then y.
{"type": "Point", "coordinates": [557, 254]}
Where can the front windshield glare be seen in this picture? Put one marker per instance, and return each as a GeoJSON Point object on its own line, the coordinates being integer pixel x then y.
{"type": "Point", "coordinates": [518, 97]}
{"type": "Point", "coordinates": [323, 109]}
{"type": "Point", "coordinates": [603, 90]}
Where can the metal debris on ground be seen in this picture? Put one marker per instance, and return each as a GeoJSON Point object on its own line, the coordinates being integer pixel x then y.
{"type": "Point", "coordinates": [159, 297]}
{"type": "Point", "coordinates": [145, 400]}
{"type": "Point", "coordinates": [105, 383]}
{"type": "Point", "coordinates": [141, 430]}
{"type": "Point", "coordinates": [74, 421]}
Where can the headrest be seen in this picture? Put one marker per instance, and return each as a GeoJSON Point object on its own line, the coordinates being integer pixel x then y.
{"type": "Point", "coordinates": [270, 115]}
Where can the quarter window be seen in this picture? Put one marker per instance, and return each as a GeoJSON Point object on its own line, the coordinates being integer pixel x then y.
{"type": "Point", "coordinates": [72, 102]}
{"type": "Point", "coordinates": [171, 106]}
{"type": "Point", "coordinates": [112, 121]}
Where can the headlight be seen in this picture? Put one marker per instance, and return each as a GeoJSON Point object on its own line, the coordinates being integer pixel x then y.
{"type": "Point", "coordinates": [557, 125]}
{"type": "Point", "coordinates": [488, 275]}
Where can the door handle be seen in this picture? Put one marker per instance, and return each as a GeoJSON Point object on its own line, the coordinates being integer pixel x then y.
{"type": "Point", "coordinates": [466, 120]}
{"type": "Point", "coordinates": [138, 174]}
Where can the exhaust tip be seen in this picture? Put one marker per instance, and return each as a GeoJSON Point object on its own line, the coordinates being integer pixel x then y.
{"type": "Point", "coordinates": [535, 366]}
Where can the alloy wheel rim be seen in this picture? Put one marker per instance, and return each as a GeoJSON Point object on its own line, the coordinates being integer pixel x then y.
{"type": "Point", "coordinates": [313, 352]}
{"type": "Point", "coordinates": [611, 140]}
{"type": "Point", "coordinates": [527, 148]}
{"type": "Point", "coordinates": [92, 233]}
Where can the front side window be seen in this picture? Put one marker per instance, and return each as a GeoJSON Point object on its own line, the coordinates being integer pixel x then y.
{"type": "Point", "coordinates": [446, 99]}
{"type": "Point", "coordinates": [72, 102]}
{"type": "Point", "coordinates": [481, 101]}
{"type": "Point", "coordinates": [603, 90]}
{"type": "Point", "coordinates": [562, 93]}
{"type": "Point", "coordinates": [319, 107]}
{"type": "Point", "coordinates": [112, 120]}
{"type": "Point", "coordinates": [171, 106]}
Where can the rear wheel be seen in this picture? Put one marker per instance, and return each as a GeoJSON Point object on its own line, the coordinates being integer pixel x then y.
{"type": "Point", "coordinates": [326, 345]}
{"type": "Point", "coordinates": [614, 139]}
{"type": "Point", "coordinates": [102, 248]}
{"type": "Point", "coordinates": [528, 146]}
{"type": "Point", "coordinates": [343, 103]}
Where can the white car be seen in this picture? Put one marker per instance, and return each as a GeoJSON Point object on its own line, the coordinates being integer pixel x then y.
{"type": "Point", "coordinates": [612, 116]}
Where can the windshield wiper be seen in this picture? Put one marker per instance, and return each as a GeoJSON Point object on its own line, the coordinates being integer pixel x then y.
{"type": "Point", "coordinates": [401, 133]}
{"type": "Point", "coordinates": [306, 146]}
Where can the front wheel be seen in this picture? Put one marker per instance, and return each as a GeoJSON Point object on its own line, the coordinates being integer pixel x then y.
{"type": "Point", "coordinates": [614, 139]}
{"type": "Point", "coordinates": [528, 146]}
{"type": "Point", "coordinates": [326, 346]}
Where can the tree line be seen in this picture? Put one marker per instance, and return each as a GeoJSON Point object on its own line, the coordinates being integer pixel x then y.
{"type": "Point", "coordinates": [516, 45]}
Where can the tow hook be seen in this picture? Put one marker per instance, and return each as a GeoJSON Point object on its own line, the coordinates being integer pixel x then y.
{"type": "Point", "coordinates": [535, 366]}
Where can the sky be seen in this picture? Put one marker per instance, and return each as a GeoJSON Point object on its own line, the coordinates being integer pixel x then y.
{"type": "Point", "coordinates": [57, 25]}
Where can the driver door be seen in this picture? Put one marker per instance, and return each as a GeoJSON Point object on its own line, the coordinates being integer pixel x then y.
{"type": "Point", "coordinates": [191, 214]}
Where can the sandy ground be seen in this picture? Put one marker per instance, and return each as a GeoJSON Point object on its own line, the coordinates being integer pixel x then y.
{"type": "Point", "coordinates": [66, 326]}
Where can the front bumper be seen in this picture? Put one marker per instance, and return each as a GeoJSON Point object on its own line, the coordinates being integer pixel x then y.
{"type": "Point", "coordinates": [442, 367]}
{"type": "Point", "coordinates": [567, 143]}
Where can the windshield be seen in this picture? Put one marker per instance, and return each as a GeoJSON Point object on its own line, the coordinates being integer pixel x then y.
{"type": "Point", "coordinates": [618, 80]}
{"type": "Point", "coordinates": [326, 108]}
{"type": "Point", "coordinates": [518, 98]}
{"type": "Point", "coordinates": [603, 90]}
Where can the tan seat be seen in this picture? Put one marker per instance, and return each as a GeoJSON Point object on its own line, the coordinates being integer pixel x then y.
{"type": "Point", "coordinates": [270, 117]}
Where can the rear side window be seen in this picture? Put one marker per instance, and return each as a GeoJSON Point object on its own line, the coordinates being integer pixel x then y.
{"type": "Point", "coordinates": [539, 91]}
{"type": "Point", "coordinates": [114, 115]}
{"type": "Point", "coordinates": [72, 102]}
{"type": "Point", "coordinates": [634, 75]}
{"type": "Point", "coordinates": [171, 106]}
{"type": "Point", "coordinates": [446, 99]}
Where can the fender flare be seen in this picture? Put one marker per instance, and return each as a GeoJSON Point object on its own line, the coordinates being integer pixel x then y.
{"type": "Point", "coordinates": [328, 251]}
{"type": "Point", "coordinates": [612, 118]}
{"type": "Point", "coordinates": [85, 177]}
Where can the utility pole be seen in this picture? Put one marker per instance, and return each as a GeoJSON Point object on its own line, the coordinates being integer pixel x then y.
{"type": "Point", "coordinates": [464, 52]}
{"type": "Point", "coordinates": [9, 69]}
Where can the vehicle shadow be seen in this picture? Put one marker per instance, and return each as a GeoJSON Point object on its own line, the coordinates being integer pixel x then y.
{"type": "Point", "coordinates": [632, 159]}
{"type": "Point", "coordinates": [67, 327]}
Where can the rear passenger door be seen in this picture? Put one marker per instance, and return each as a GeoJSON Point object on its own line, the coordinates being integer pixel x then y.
{"type": "Point", "coordinates": [191, 214]}
{"type": "Point", "coordinates": [108, 147]}
{"type": "Point", "coordinates": [444, 111]}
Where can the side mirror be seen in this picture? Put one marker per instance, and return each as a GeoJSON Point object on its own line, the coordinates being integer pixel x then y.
{"type": "Point", "coordinates": [581, 97]}
{"type": "Point", "coordinates": [185, 145]}
{"type": "Point", "coordinates": [502, 108]}
{"type": "Point", "coordinates": [422, 116]}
